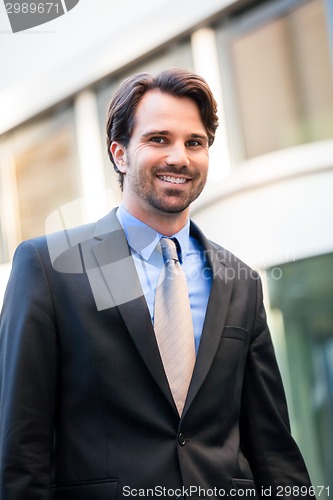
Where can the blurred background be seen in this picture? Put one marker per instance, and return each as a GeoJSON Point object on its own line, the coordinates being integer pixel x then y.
{"type": "Point", "coordinates": [269, 197]}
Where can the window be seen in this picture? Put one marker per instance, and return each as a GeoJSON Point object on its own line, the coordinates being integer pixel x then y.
{"type": "Point", "coordinates": [280, 88]}
{"type": "Point", "coordinates": [302, 298]}
{"type": "Point", "coordinates": [3, 247]}
{"type": "Point", "coordinates": [44, 172]}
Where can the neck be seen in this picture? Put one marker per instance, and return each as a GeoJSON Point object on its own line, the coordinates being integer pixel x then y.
{"type": "Point", "coordinates": [164, 223]}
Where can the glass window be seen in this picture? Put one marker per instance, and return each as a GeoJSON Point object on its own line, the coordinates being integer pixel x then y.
{"type": "Point", "coordinates": [301, 294]}
{"type": "Point", "coordinates": [45, 169]}
{"type": "Point", "coordinates": [281, 77]}
{"type": "Point", "coordinates": [3, 242]}
{"type": "Point", "coordinates": [3, 247]}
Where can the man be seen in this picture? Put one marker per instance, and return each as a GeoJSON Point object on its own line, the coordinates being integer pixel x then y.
{"type": "Point", "coordinates": [89, 410]}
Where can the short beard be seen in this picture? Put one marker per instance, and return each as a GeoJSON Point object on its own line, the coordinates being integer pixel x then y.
{"type": "Point", "coordinates": [160, 203]}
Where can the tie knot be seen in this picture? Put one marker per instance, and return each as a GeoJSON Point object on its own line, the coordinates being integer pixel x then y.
{"type": "Point", "coordinates": [169, 249]}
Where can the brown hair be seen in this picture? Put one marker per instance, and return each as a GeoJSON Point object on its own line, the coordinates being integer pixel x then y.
{"type": "Point", "coordinates": [177, 82]}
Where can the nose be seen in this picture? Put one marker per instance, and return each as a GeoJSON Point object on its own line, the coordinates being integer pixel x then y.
{"type": "Point", "coordinates": [177, 155]}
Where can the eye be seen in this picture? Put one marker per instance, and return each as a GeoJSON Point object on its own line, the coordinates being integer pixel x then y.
{"type": "Point", "coordinates": [157, 139]}
{"type": "Point", "coordinates": [193, 143]}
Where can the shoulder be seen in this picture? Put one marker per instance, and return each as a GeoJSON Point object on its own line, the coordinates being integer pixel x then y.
{"type": "Point", "coordinates": [228, 257]}
{"type": "Point", "coordinates": [217, 253]}
{"type": "Point", "coordinates": [53, 244]}
{"type": "Point", "coordinates": [62, 248]}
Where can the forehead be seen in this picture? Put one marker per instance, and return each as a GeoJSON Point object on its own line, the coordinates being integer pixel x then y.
{"type": "Point", "coordinates": [161, 110]}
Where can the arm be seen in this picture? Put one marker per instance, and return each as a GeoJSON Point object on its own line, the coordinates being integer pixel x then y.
{"type": "Point", "coordinates": [28, 361]}
{"type": "Point", "coordinates": [273, 455]}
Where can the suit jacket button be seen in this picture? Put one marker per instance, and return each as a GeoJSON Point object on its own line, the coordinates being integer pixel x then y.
{"type": "Point", "coordinates": [181, 439]}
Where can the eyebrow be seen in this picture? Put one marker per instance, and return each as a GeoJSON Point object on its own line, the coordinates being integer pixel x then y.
{"type": "Point", "coordinates": [155, 132]}
{"type": "Point", "coordinates": [166, 132]}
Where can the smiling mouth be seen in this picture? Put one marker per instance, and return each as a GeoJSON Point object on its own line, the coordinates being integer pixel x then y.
{"type": "Point", "coordinates": [173, 180]}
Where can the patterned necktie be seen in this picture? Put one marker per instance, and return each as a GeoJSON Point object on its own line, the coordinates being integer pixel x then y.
{"type": "Point", "coordinates": [173, 324]}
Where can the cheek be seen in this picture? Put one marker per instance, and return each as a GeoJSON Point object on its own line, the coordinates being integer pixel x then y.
{"type": "Point", "coordinates": [145, 164]}
{"type": "Point", "coordinates": [144, 157]}
{"type": "Point", "coordinates": [200, 158]}
{"type": "Point", "coordinates": [202, 164]}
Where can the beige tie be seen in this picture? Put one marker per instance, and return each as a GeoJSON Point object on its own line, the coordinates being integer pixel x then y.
{"type": "Point", "coordinates": [173, 324]}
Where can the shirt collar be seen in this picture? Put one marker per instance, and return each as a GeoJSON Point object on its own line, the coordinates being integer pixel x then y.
{"type": "Point", "coordinates": [143, 239]}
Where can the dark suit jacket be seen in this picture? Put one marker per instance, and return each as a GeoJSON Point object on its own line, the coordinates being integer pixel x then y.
{"type": "Point", "coordinates": [86, 411]}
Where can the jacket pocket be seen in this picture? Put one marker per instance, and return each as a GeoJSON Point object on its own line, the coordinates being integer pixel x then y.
{"type": "Point", "coordinates": [95, 490]}
{"type": "Point", "coordinates": [235, 332]}
{"type": "Point", "coordinates": [244, 488]}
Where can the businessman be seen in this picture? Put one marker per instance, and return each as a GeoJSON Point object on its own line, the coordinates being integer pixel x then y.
{"type": "Point", "coordinates": [135, 355]}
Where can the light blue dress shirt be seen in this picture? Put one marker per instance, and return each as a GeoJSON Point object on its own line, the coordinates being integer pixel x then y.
{"type": "Point", "coordinates": [148, 260]}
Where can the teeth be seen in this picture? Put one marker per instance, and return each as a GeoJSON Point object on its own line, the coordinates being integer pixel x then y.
{"type": "Point", "coordinates": [175, 180]}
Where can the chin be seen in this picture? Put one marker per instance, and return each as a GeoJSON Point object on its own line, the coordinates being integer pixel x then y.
{"type": "Point", "coordinates": [170, 208]}
{"type": "Point", "coordinates": [174, 210]}
{"type": "Point", "coordinates": [171, 202]}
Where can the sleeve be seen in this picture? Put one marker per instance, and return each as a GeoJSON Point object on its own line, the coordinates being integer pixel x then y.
{"type": "Point", "coordinates": [28, 367]}
{"type": "Point", "coordinates": [266, 441]}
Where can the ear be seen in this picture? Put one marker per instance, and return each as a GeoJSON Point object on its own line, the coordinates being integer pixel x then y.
{"type": "Point", "coordinates": [118, 152]}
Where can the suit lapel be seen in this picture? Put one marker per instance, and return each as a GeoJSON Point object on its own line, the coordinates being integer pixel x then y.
{"type": "Point", "coordinates": [115, 277]}
{"type": "Point", "coordinates": [115, 283]}
{"type": "Point", "coordinates": [216, 314]}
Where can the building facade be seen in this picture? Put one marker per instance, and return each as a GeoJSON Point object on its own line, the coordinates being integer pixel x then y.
{"type": "Point", "coordinates": [269, 197]}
